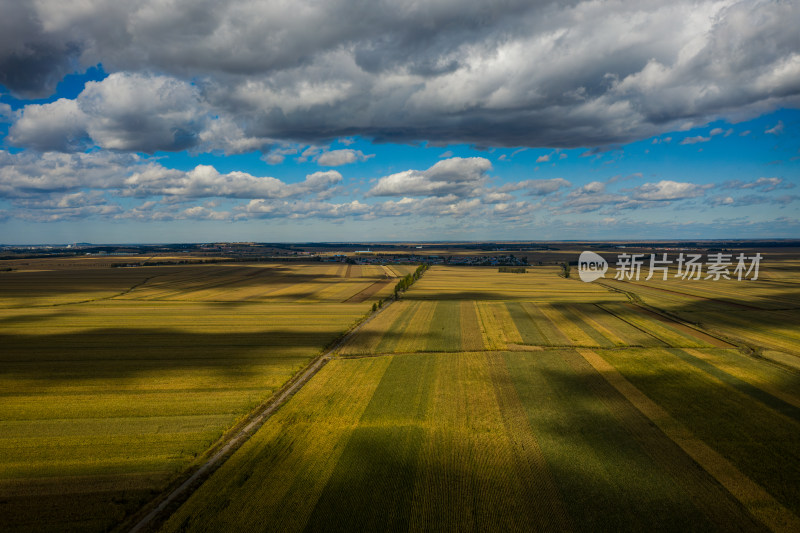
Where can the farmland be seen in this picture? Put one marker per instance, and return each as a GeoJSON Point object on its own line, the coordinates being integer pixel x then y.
{"type": "Point", "coordinates": [764, 317]}
{"type": "Point", "coordinates": [496, 401]}
{"type": "Point", "coordinates": [116, 380]}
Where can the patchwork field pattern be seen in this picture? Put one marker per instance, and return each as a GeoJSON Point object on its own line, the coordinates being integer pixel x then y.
{"type": "Point", "coordinates": [116, 380]}
{"type": "Point", "coordinates": [524, 402]}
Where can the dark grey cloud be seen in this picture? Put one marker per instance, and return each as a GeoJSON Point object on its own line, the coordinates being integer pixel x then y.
{"type": "Point", "coordinates": [245, 75]}
{"type": "Point", "coordinates": [32, 60]}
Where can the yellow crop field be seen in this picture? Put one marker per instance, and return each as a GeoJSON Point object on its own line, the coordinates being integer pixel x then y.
{"type": "Point", "coordinates": [115, 380]}
{"type": "Point", "coordinates": [759, 313]}
{"type": "Point", "coordinates": [480, 400]}
{"type": "Point", "coordinates": [485, 283]}
{"type": "Point", "coordinates": [486, 401]}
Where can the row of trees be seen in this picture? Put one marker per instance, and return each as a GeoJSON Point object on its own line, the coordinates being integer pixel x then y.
{"type": "Point", "coordinates": [409, 280]}
{"type": "Point", "coordinates": [403, 285]}
{"type": "Point", "coordinates": [512, 270]}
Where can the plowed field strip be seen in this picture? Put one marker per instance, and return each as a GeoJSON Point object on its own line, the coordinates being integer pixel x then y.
{"type": "Point", "coordinates": [755, 499]}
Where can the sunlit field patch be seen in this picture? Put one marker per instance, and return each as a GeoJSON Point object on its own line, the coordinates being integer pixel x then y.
{"type": "Point", "coordinates": [115, 380]}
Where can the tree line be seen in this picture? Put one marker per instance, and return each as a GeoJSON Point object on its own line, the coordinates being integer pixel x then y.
{"type": "Point", "coordinates": [403, 285]}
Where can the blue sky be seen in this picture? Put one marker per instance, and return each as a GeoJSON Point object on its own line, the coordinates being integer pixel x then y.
{"type": "Point", "coordinates": [156, 123]}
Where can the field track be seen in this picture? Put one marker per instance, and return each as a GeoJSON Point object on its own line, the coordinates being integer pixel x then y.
{"type": "Point", "coordinates": [255, 421]}
{"type": "Point", "coordinates": [118, 382]}
{"type": "Point", "coordinates": [523, 403]}
{"type": "Point", "coordinates": [478, 401]}
{"type": "Point", "coordinates": [369, 292]}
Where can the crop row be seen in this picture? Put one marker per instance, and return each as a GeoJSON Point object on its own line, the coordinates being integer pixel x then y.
{"type": "Point", "coordinates": [459, 325]}
{"type": "Point", "coordinates": [497, 441]}
{"type": "Point", "coordinates": [106, 402]}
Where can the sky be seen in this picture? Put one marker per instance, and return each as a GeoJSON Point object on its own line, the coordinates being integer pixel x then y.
{"type": "Point", "coordinates": [201, 120]}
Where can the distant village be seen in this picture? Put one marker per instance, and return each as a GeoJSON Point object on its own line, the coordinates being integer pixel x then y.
{"type": "Point", "coordinates": [361, 258]}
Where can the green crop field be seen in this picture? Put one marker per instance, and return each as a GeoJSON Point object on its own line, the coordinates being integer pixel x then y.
{"type": "Point", "coordinates": [517, 402]}
{"type": "Point", "coordinates": [115, 380]}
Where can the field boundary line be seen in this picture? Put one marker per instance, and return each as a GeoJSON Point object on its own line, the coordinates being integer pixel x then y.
{"type": "Point", "coordinates": [91, 300]}
{"type": "Point", "coordinates": [643, 330]}
{"type": "Point", "coordinates": [760, 385]}
{"type": "Point", "coordinates": [691, 295]}
{"type": "Point", "coordinates": [637, 301]}
{"type": "Point", "coordinates": [753, 496]}
{"type": "Point", "coordinates": [229, 445]}
{"type": "Point", "coordinates": [515, 348]}
{"type": "Point", "coordinates": [383, 283]}
{"type": "Point", "coordinates": [604, 331]}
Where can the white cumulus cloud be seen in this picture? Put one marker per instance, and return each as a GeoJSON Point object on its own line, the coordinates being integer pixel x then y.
{"type": "Point", "coordinates": [460, 176]}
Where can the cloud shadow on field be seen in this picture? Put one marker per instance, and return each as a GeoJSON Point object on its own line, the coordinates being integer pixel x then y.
{"type": "Point", "coordinates": [757, 439]}
{"type": "Point", "coordinates": [461, 295]}
{"type": "Point", "coordinates": [121, 353]}
{"type": "Point", "coordinates": [609, 460]}
{"type": "Point", "coordinates": [26, 319]}
{"type": "Point", "coordinates": [389, 339]}
{"type": "Point", "coordinates": [91, 282]}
